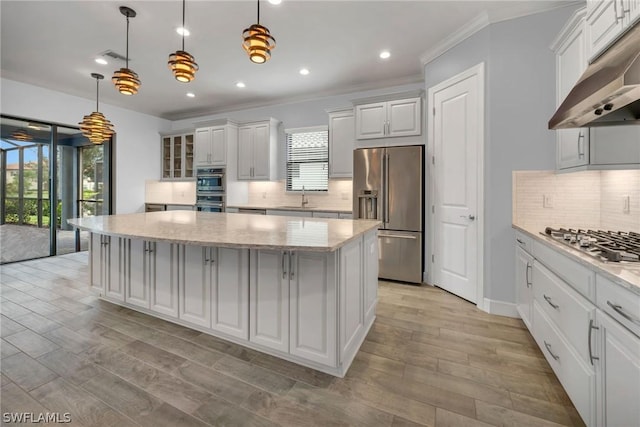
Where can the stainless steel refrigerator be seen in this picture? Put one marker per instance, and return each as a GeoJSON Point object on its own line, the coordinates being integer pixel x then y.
{"type": "Point", "coordinates": [388, 186]}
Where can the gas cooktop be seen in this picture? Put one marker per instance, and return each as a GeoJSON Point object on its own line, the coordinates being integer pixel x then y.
{"type": "Point", "coordinates": [612, 246]}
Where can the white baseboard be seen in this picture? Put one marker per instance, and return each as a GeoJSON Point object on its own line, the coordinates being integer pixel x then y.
{"type": "Point", "coordinates": [501, 308]}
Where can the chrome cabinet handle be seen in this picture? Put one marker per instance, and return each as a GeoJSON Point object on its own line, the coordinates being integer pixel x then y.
{"type": "Point", "coordinates": [591, 328]}
{"type": "Point", "coordinates": [580, 149]}
{"type": "Point", "coordinates": [291, 272]}
{"type": "Point", "coordinates": [548, 299]}
{"type": "Point", "coordinates": [284, 272]}
{"type": "Point", "coordinates": [621, 312]}
{"type": "Point", "coordinates": [529, 268]}
{"type": "Point", "coordinates": [519, 241]}
{"type": "Point", "coordinates": [548, 346]}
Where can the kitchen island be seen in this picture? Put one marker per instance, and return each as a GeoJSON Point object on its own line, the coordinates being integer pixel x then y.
{"type": "Point", "coordinates": [302, 289]}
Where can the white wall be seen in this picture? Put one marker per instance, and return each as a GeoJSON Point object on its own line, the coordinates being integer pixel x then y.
{"type": "Point", "coordinates": [137, 143]}
{"type": "Point", "coordinates": [520, 98]}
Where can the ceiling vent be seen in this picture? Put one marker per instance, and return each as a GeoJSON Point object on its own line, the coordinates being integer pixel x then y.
{"type": "Point", "coordinates": [114, 55]}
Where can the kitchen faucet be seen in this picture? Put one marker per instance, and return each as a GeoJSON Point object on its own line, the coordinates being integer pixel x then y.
{"type": "Point", "coordinates": [304, 201]}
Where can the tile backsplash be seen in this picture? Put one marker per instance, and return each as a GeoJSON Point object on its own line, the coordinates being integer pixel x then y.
{"type": "Point", "coordinates": [588, 199]}
{"type": "Point", "coordinates": [170, 192]}
{"type": "Point", "coordinates": [273, 194]}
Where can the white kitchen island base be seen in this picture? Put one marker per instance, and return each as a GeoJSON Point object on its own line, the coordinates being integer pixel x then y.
{"type": "Point", "coordinates": [311, 307]}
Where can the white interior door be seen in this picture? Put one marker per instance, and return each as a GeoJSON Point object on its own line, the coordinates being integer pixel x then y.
{"type": "Point", "coordinates": [457, 138]}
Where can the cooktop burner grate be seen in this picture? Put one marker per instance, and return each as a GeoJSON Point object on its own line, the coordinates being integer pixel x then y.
{"type": "Point", "coordinates": [614, 246]}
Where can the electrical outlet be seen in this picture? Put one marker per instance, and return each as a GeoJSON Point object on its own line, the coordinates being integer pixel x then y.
{"type": "Point", "coordinates": [264, 195]}
{"type": "Point", "coordinates": [547, 201]}
{"type": "Point", "coordinates": [626, 204]}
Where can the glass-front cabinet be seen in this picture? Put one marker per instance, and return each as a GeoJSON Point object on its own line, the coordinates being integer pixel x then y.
{"type": "Point", "coordinates": [177, 156]}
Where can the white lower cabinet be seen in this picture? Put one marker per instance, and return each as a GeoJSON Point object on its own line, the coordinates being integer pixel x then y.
{"type": "Point", "coordinates": [106, 266]}
{"type": "Point", "coordinates": [351, 298]}
{"type": "Point", "coordinates": [617, 363]}
{"type": "Point", "coordinates": [194, 284]}
{"type": "Point", "coordinates": [312, 306]}
{"type": "Point", "coordinates": [370, 277]}
{"type": "Point", "coordinates": [137, 282]}
{"type": "Point", "coordinates": [524, 283]}
{"type": "Point", "coordinates": [230, 293]}
{"type": "Point", "coordinates": [268, 299]}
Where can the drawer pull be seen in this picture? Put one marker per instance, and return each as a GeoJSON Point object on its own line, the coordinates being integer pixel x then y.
{"type": "Point", "coordinates": [548, 299]}
{"type": "Point", "coordinates": [520, 241]}
{"type": "Point", "coordinates": [529, 268]}
{"type": "Point", "coordinates": [546, 344]}
{"type": "Point", "coordinates": [622, 313]}
{"type": "Point", "coordinates": [591, 328]}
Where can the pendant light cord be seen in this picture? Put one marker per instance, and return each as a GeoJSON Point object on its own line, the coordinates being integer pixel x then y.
{"type": "Point", "coordinates": [258, 12]}
{"type": "Point", "coordinates": [183, 28]}
{"type": "Point", "coordinates": [97, 92]}
{"type": "Point", "coordinates": [127, 58]}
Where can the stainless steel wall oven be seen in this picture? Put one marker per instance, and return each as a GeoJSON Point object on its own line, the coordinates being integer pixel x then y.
{"type": "Point", "coordinates": [210, 189]}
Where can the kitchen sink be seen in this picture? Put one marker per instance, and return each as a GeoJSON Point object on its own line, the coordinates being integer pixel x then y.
{"type": "Point", "coordinates": [297, 207]}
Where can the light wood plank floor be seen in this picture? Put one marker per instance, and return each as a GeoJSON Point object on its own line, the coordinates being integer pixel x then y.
{"type": "Point", "coordinates": [430, 359]}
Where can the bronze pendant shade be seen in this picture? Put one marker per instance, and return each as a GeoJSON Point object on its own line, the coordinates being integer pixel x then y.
{"type": "Point", "coordinates": [125, 79]}
{"type": "Point", "coordinates": [181, 63]}
{"type": "Point", "coordinates": [258, 42]}
{"type": "Point", "coordinates": [21, 135]}
{"type": "Point", "coordinates": [95, 126]}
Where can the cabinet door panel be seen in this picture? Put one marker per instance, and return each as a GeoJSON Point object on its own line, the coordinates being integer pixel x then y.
{"type": "Point", "coordinates": [167, 162]}
{"type": "Point", "coordinates": [137, 273]}
{"type": "Point", "coordinates": [524, 273]}
{"type": "Point", "coordinates": [371, 120]}
{"type": "Point", "coordinates": [351, 298]}
{"type": "Point", "coordinates": [269, 299]}
{"type": "Point", "coordinates": [313, 307]}
{"type": "Point", "coordinates": [202, 147]}
{"type": "Point", "coordinates": [572, 147]}
{"type": "Point", "coordinates": [95, 253]}
{"type": "Point", "coordinates": [611, 145]}
{"type": "Point", "coordinates": [230, 313]}
{"type": "Point", "coordinates": [261, 154]}
{"type": "Point", "coordinates": [114, 252]}
{"type": "Point", "coordinates": [218, 146]}
{"type": "Point", "coordinates": [404, 117]}
{"type": "Point", "coordinates": [603, 25]}
{"type": "Point", "coordinates": [245, 152]}
{"type": "Point", "coordinates": [370, 254]}
{"type": "Point", "coordinates": [341, 144]}
{"type": "Point", "coordinates": [619, 374]}
{"type": "Point", "coordinates": [195, 285]}
{"type": "Point", "coordinates": [164, 289]}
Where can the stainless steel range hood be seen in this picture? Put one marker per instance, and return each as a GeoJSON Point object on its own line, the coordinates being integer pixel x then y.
{"type": "Point", "coordinates": [608, 93]}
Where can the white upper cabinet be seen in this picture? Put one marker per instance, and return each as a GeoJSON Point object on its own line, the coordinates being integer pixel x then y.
{"type": "Point", "coordinates": [177, 156]}
{"type": "Point", "coordinates": [257, 150]}
{"type": "Point", "coordinates": [607, 20]}
{"type": "Point", "coordinates": [572, 144]}
{"type": "Point", "coordinates": [212, 144]}
{"type": "Point", "coordinates": [386, 119]}
{"type": "Point", "coordinates": [341, 139]}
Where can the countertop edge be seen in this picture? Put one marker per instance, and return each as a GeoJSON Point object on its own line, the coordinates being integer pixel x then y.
{"type": "Point", "coordinates": [594, 265]}
{"type": "Point", "coordinates": [290, 208]}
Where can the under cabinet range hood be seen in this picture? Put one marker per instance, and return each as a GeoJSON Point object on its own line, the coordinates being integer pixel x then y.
{"type": "Point", "coordinates": [608, 93]}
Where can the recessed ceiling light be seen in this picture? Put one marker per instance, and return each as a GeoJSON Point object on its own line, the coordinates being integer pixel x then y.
{"type": "Point", "coordinates": [240, 85]}
{"type": "Point", "coordinates": [275, 1]}
{"type": "Point", "coordinates": [191, 94]}
{"type": "Point", "coordinates": [304, 71]}
{"type": "Point", "coordinates": [101, 61]}
{"type": "Point", "coordinates": [182, 31]}
{"type": "Point", "coordinates": [385, 54]}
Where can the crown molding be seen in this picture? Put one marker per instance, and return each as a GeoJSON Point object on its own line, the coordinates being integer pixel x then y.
{"type": "Point", "coordinates": [572, 23]}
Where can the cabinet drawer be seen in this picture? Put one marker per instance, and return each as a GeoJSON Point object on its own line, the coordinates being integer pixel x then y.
{"type": "Point", "coordinates": [577, 378]}
{"type": "Point", "coordinates": [619, 303]}
{"type": "Point", "coordinates": [524, 241]}
{"type": "Point", "coordinates": [579, 277]}
{"type": "Point", "coordinates": [569, 311]}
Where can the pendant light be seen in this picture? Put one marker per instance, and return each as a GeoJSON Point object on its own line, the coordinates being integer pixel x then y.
{"type": "Point", "coordinates": [21, 135]}
{"type": "Point", "coordinates": [258, 42]}
{"type": "Point", "coordinates": [125, 79]}
{"type": "Point", "coordinates": [95, 126]}
{"type": "Point", "coordinates": [181, 63]}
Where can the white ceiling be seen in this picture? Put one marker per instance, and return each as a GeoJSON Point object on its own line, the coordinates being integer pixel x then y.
{"type": "Point", "coordinates": [53, 44]}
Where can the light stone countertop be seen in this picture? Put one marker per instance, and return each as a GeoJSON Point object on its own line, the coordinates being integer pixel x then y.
{"type": "Point", "coordinates": [291, 208]}
{"type": "Point", "coordinates": [626, 275]}
{"type": "Point", "coordinates": [230, 229]}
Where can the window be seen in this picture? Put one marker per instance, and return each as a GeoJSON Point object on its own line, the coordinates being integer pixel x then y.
{"type": "Point", "coordinates": [308, 159]}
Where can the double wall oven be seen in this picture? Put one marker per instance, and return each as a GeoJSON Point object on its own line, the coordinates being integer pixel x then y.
{"type": "Point", "coordinates": [210, 189]}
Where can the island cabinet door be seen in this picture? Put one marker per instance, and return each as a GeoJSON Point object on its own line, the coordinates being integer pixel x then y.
{"type": "Point", "coordinates": [137, 273]}
{"type": "Point", "coordinates": [164, 278]}
{"type": "Point", "coordinates": [230, 292]}
{"type": "Point", "coordinates": [370, 254]}
{"type": "Point", "coordinates": [194, 284]}
{"type": "Point", "coordinates": [351, 299]}
{"type": "Point", "coordinates": [312, 307]}
{"type": "Point", "coordinates": [269, 299]}
{"type": "Point", "coordinates": [96, 267]}
{"type": "Point", "coordinates": [113, 261]}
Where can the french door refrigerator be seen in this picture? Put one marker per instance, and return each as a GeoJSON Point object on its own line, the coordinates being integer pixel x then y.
{"type": "Point", "coordinates": [388, 186]}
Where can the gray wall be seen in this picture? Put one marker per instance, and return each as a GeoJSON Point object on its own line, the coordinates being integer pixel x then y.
{"type": "Point", "coordinates": [519, 99]}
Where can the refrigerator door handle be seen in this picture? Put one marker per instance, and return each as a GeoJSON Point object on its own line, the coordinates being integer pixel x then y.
{"type": "Point", "coordinates": [397, 236]}
{"type": "Point", "coordinates": [386, 188]}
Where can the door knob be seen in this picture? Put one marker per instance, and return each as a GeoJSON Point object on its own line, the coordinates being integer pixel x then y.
{"type": "Point", "coordinates": [471, 217]}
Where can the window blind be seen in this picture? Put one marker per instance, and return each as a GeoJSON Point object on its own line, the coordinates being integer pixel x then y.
{"type": "Point", "coordinates": [308, 159]}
